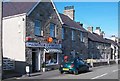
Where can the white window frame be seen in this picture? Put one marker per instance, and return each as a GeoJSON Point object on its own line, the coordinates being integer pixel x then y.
{"type": "Point", "coordinates": [63, 33]}
{"type": "Point", "coordinates": [56, 62]}
{"type": "Point", "coordinates": [53, 31]}
{"type": "Point", "coordinates": [73, 35]}
{"type": "Point", "coordinates": [81, 36]}
{"type": "Point", "coordinates": [37, 27]}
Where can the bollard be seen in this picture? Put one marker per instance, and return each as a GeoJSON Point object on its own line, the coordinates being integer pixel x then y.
{"type": "Point", "coordinates": [91, 62]}
{"type": "Point", "coordinates": [108, 61]}
{"type": "Point", "coordinates": [116, 60]}
{"type": "Point", "coordinates": [28, 71]}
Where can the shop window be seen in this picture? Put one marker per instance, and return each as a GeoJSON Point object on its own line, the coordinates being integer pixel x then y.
{"type": "Point", "coordinates": [51, 58]}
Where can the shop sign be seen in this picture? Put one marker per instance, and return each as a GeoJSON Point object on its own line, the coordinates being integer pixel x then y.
{"type": "Point", "coordinates": [45, 45]}
{"type": "Point", "coordinates": [33, 44]}
{"type": "Point", "coordinates": [52, 46]}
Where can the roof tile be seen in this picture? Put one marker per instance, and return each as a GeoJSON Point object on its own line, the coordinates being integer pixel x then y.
{"type": "Point", "coordinates": [14, 8]}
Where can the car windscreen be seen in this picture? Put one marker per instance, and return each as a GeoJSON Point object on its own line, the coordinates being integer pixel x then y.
{"type": "Point", "coordinates": [81, 62]}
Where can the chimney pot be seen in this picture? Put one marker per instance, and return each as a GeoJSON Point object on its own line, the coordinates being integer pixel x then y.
{"type": "Point", "coordinates": [81, 25]}
{"type": "Point", "coordinates": [98, 31]}
{"type": "Point", "coordinates": [90, 29]}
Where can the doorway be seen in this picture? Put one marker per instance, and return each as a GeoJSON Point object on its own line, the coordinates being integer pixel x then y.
{"type": "Point", "coordinates": [35, 60]}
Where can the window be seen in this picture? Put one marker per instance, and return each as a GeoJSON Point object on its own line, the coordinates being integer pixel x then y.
{"type": "Point", "coordinates": [73, 35]}
{"type": "Point", "coordinates": [52, 30]}
{"type": "Point", "coordinates": [37, 28]}
{"type": "Point", "coordinates": [81, 36]}
{"type": "Point", "coordinates": [51, 58]}
{"type": "Point", "coordinates": [63, 32]}
{"type": "Point", "coordinates": [84, 38]}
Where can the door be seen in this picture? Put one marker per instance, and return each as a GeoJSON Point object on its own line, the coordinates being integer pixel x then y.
{"type": "Point", "coordinates": [35, 60]}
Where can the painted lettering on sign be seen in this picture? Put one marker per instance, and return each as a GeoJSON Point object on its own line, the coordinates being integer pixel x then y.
{"type": "Point", "coordinates": [44, 45]}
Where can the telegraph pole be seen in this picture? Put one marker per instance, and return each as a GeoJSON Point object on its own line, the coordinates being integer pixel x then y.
{"type": "Point", "coordinates": [1, 54]}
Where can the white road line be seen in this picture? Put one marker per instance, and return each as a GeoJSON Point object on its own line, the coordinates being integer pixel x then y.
{"type": "Point", "coordinates": [115, 70]}
{"type": "Point", "coordinates": [99, 76]}
{"type": "Point", "coordinates": [17, 78]}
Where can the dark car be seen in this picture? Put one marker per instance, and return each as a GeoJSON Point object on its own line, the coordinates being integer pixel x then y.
{"type": "Point", "coordinates": [73, 66]}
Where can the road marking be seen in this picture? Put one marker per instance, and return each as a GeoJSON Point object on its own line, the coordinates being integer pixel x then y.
{"type": "Point", "coordinates": [115, 70]}
{"type": "Point", "coordinates": [99, 76]}
{"type": "Point", "coordinates": [17, 78]}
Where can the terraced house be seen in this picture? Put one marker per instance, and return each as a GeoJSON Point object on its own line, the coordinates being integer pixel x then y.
{"type": "Point", "coordinates": [74, 36]}
{"type": "Point", "coordinates": [31, 35]}
{"type": "Point", "coordinates": [114, 49]}
{"type": "Point", "coordinates": [98, 47]}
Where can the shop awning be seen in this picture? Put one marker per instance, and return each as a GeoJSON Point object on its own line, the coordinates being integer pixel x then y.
{"type": "Point", "coordinates": [53, 50]}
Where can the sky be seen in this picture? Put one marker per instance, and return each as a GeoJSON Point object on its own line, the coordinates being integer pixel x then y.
{"type": "Point", "coordinates": [96, 14]}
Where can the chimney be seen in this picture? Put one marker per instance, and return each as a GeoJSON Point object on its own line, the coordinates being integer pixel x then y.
{"type": "Point", "coordinates": [113, 37]}
{"type": "Point", "coordinates": [80, 24]}
{"type": "Point", "coordinates": [98, 30]}
{"type": "Point", "coordinates": [70, 12]}
{"type": "Point", "coordinates": [90, 29]}
{"type": "Point", "coordinates": [103, 34]}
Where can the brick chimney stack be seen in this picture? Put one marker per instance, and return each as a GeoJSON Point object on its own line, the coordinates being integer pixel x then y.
{"type": "Point", "coordinates": [70, 12]}
{"type": "Point", "coordinates": [90, 29]}
{"type": "Point", "coordinates": [98, 30]}
{"type": "Point", "coordinates": [103, 34]}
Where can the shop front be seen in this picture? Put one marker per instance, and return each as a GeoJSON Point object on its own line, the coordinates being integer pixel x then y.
{"type": "Point", "coordinates": [40, 53]}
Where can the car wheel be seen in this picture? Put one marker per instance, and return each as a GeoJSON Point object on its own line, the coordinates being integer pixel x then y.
{"type": "Point", "coordinates": [61, 72]}
{"type": "Point", "coordinates": [88, 69]}
{"type": "Point", "coordinates": [75, 72]}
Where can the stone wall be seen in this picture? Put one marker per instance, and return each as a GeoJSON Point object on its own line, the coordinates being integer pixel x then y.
{"type": "Point", "coordinates": [46, 14]}
{"type": "Point", "coordinates": [69, 45]}
{"type": "Point", "coordinates": [98, 50]}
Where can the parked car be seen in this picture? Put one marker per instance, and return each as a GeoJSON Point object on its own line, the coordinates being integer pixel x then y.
{"type": "Point", "coordinates": [75, 66]}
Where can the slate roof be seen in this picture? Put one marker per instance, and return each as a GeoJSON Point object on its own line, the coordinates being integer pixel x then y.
{"type": "Point", "coordinates": [96, 38]}
{"type": "Point", "coordinates": [70, 23]}
{"type": "Point", "coordinates": [111, 41]}
{"type": "Point", "coordinates": [14, 8]}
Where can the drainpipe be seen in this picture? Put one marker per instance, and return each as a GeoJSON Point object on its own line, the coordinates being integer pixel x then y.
{"type": "Point", "coordinates": [1, 49]}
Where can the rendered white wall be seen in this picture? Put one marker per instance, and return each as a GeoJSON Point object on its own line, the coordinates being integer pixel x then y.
{"type": "Point", "coordinates": [14, 37]}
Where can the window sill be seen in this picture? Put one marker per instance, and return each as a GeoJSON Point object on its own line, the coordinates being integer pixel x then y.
{"type": "Point", "coordinates": [38, 36]}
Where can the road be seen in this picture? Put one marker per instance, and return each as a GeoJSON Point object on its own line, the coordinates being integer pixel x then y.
{"type": "Point", "coordinates": [102, 72]}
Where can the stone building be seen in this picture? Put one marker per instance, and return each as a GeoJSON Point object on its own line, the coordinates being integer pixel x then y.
{"type": "Point", "coordinates": [114, 49]}
{"type": "Point", "coordinates": [98, 47]}
{"type": "Point", "coordinates": [31, 35]}
{"type": "Point", "coordinates": [74, 36]}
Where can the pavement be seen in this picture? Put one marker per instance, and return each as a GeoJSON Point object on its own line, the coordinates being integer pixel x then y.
{"type": "Point", "coordinates": [101, 72]}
